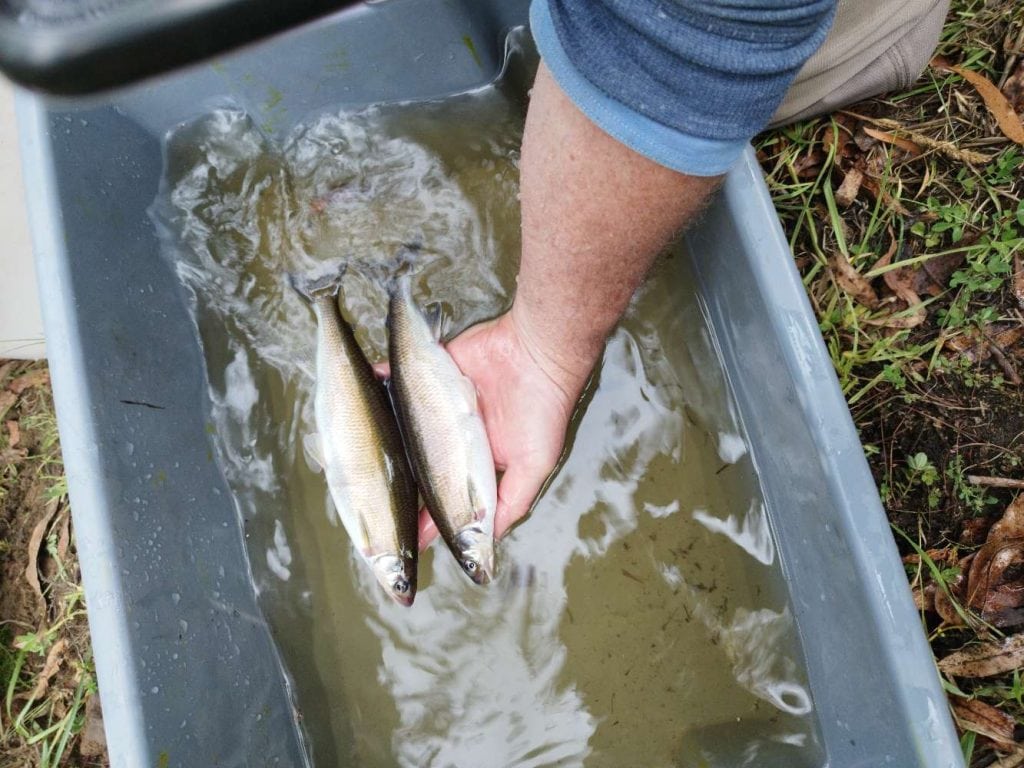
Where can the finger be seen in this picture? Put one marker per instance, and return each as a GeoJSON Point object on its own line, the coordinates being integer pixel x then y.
{"type": "Point", "coordinates": [428, 529]}
{"type": "Point", "coordinates": [519, 487]}
{"type": "Point", "coordinates": [382, 370]}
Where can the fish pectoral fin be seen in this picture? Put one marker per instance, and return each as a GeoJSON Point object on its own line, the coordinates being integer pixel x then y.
{"type": "Point", "coordinates": [468, 390]}
{"type": "Point", "coordinates": [433, 313]}
{"type": "Point", "coordinates": [314, 451]}
{"type": "Point", "coordinates": [476, 503]}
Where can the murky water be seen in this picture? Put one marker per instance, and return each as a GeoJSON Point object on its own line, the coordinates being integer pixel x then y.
{"type": "Point", "coordinates": [638, 618]}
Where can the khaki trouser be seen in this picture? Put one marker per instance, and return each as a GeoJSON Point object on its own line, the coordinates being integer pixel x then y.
{"type": "Point", "coordinates": [874, 46]}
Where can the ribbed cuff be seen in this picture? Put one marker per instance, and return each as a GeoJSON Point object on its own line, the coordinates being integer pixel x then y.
{"type": "Point", "coordinates": [666, 146]}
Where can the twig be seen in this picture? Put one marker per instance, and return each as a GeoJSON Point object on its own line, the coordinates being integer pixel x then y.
{"type": "Point", "coordinates": [995, 482]}
{"type": "Point", "coordinates": [1004, 363]}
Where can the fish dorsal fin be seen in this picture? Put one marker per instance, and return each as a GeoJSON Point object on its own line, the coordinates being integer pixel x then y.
{"type": "Point", "coordinates": [314, 451]}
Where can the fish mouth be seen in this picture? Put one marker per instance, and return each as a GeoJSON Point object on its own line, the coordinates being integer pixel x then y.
{"type": "Point", "coordinates": [476, 556]}
{"type": "Point", "coordinates": [405, 600]}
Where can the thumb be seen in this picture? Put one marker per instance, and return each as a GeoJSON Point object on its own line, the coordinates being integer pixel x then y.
{"type": "Point", "coordinates": [519, 487]}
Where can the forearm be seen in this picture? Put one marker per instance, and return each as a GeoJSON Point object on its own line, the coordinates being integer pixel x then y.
{"type": "Point", "coordinates": [595, 216]}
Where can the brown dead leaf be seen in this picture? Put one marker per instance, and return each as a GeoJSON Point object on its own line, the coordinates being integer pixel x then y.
{"type": "Point", "coordinates": [944, 605]}
{"type": "Point", "coordinates": [984, 719]}
{"type": "Point", "coordinates": [7, 399]}
{"type": "Point", "coordinates": [900, 282]}
{"type": "Point", "coordinates": [863, 140]}
{"type": "Point", "coordinates": [950, 150]}
{"type": "Point", "coordinates": [848, 190]}
{"type": "Point", "coordinates": [53, 662]}
{"type": "Point", "coordinates": [936, 271]}
{"type": "Point", "coordinates": [1013, 88]}
{"type": "Point", "coordinates": [996, 103]}
{"type": "Point", "coordinates": [996, 582]}
{"type": "Point", "coordinates": [852, 281]}
{"type": "Point", "coordinates": [35, 541]}
{"type": "Point", "coordinates": [944, 555]}
{"type": "Point", "coordinates": [807, 166]}
{"type": "Point", "coordinates": [33, 379]}
{"type": "Point", "coordinates": [1014, 759]}
{"type": "Point", "coordinates": [906, 145]}
{"type": "Point", "coordinates": [14, 430]}
{"type": "Point", "coordinates": [975, 346]}
{"type": "Point", "coordinates": [985, 659]}
{"type": "Point", "coordinates": [888, 200]}
{"type": "Point", "coordinates": [93, 741]}
{"type": "Point", "coordinates": [1011, 524]}
{"type": "Point", "coordinates": [974, 530]}
{"type": "Point", "coordinates": [924, 598]}
{"type": "Point", "coordinates": [64, 537]}
{"type": "Point", "coordinates": [1018, 279]}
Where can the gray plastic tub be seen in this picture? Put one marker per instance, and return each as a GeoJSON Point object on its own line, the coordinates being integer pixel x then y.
{"type": "Point", "coordinates": [130, 389]}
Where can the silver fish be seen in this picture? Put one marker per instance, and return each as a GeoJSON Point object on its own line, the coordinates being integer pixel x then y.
{"type": "Point", "coordinates": [361, 451]}
{"type": "Point", "coordinates": [444, 435]}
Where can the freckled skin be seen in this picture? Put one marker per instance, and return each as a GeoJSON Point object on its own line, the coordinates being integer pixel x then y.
{"type": "Point", "coordinates": [595, 216]}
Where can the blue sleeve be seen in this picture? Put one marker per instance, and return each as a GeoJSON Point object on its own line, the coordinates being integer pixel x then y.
{"type": "Point", "coordinates": [686, 83]}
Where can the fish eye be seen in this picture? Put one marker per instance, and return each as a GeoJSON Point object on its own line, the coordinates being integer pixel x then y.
{"type": "Point", "coordinates": [401, 586]}
{"type": "Point", "coordinates": [469, 565]}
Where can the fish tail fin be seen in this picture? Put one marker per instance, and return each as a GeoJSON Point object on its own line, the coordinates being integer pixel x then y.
{"type": "Point", "coordinates": [327, 282]}
{"type": "Point", "coordinates": [402, 267]}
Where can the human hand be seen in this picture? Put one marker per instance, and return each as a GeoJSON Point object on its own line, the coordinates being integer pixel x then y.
{"type": "Point", "coordinates": [526, 403]}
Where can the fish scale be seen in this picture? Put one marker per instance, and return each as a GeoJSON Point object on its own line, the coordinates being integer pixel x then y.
{"type": "Point", "coordinates": [362, 453]}
{"type": "Point", "coordinates": [444, 436]}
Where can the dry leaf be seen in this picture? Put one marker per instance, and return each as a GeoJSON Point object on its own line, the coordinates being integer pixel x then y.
{"type": "Point", "coordinates": [976, 348]}
{"type": "Point", "coordinates": [1014, 759]}
{"type": "Point", "coordinates": [995, 584]}
{"type": "Point", "coordinates": [944, 555]}
{"type": "Point", "coordinates": [1013, 88]}
{"type": "Point", "coordinates": [53, 662]}
{"type": "Point", "coordinates": [924, 599]}
{"type": "Point", "coordinates": [905, 144]}
{"type": "Point", "coordinates": [888, 200]}
{"type": "Point", "coordinates": [974, 530]}
{"type": "Point", "coordinates": [92, 741]}
{"type": "Point", "coordinates": [863, 141]}
{"type": "Point", "coordinates": [1018, 279]}
{"type": "Point", "coordinates": [852, 281]}
{"type": "Point", "coordinates": [950, 150]}
{"type": "Point", "coordinates": [933, 275]}
{"type": "Point", "coordinates": [986, 659]}
{"type": "Point", "coordinates": [900, 282]}
{"type": "Point", "coordinates": [64, 538]}
{"type": "Point", "coordinates": [848, 190]}
{"type": "Point", "coordinates": [996, 103]}
{"type": "Point", "coordinates": [944, 605]}
{"type": "Point", "coordinates": [984, 719]}
{"type": "Point", "coordinates": [1011, 524]}
{"type": "Point", "coordinates": [14, 430]}
{"type": "Point", "coordinates": [7, 399]}
{"type": "Point", "coordinates": [35, 541]}
{"type": "Point", "coordinates": [33, 379]}
{"type": "Point", "coordinates": [838, 138]}
{"type": "Point", "coordinates": [807, 166]}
